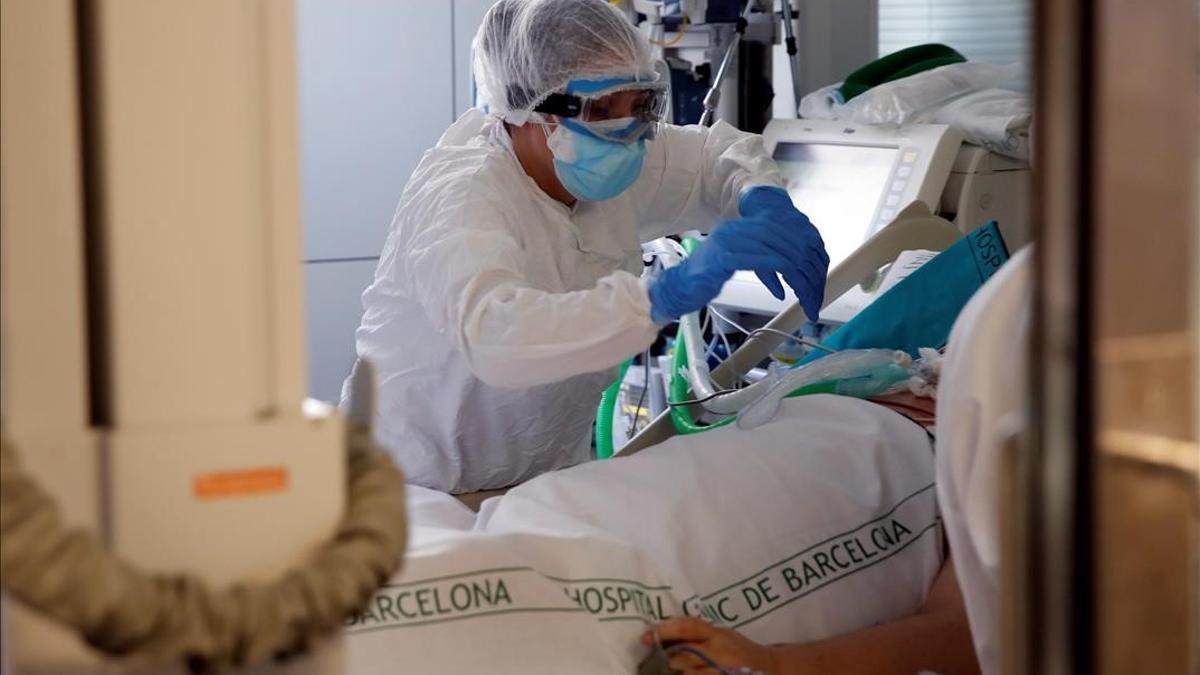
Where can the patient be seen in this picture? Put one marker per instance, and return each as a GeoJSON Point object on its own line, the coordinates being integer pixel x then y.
{"type": "Point", "coordinates": [979, 404]}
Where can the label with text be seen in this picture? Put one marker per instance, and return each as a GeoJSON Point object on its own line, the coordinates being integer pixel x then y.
{"type": "Point", "coordinates": [820, 564]}
{"type": "Point", "coordinates": [509, 590]}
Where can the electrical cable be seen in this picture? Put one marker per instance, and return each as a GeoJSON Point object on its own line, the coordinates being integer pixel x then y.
{"type": "Point", "coordinates": [729, 321]}
{"type": "Point", "coordinates": [694, 401]}
{"type": "Point", "coordinates": [724, 341]}
{"type": "Point", "coordinates": [794, 338]}
{"type": "Point", "coordinates": [711, 349]}
{"type": "Point", "coordinates": [772, 331]}
{"type": "Point", "coordinates": [708, 661]}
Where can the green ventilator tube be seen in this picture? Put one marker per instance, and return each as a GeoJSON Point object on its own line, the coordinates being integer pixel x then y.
{"type": "Point", "coordinates": [604, 414]}
{"type": "Point", "coordinates": [681, 417]}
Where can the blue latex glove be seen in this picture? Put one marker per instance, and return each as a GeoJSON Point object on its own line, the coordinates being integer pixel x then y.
{"type": "Point", "coordinates": [772, 238]}
{"type": "Point", "coordinates": [800, 240]}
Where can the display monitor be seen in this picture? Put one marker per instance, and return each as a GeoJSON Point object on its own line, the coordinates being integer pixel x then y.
{"type": "Point", "coordinates": [852, 180]}
{"type": "Point", "coordinates": [839, 187]}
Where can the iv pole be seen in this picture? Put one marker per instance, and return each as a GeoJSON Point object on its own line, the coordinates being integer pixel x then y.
{"type": "Point", "coordinates": [789, 31]}
{"type": "Point", "coordinates": [713, 97]}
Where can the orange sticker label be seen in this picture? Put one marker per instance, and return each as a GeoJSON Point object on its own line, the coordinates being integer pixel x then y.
{"type": "Point", "coordinates": [264, 480]}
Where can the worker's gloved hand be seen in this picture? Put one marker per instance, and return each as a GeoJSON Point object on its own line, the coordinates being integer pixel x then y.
{"type": "Point", "coordinates": [771, 238]}
{"type": "Point", "coordinates": [797, 238]}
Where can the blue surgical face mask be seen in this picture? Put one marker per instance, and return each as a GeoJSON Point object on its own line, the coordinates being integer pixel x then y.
{"type": "Point", "coordinates": [592, 168]}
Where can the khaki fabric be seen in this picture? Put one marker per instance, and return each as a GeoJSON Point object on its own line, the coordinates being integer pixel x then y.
{"type": "Point", "coordinates": [68, 575]}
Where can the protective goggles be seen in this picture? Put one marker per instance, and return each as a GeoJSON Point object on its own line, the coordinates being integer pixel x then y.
{"type": "Point", "coordinates": [620, 110]}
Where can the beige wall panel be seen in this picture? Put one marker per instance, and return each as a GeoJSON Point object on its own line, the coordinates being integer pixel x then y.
{"type": "Point", "coordinates": [198, 154]}
{"type": "Point", "coordinates": [44, 380]}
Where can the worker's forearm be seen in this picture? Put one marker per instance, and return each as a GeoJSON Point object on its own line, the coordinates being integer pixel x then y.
{"type": "Point", "coordinates": [520, 336]}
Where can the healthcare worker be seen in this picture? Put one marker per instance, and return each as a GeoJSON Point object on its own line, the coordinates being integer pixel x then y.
{"type": "Point", "coordinates": [508, 290]}
{"type": "Point", "coordinates": [982, 402]}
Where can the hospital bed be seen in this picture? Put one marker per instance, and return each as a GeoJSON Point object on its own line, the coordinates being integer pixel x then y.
{"type": "Point", "coordinates": [835, 529]}
{"type": "Point", "coordinates": [634, 530]}
{"type": "Point", "coordinates": [572, 566]}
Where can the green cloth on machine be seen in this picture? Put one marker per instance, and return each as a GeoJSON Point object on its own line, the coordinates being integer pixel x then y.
{"type": "Point", "coordinates": [903, 63]}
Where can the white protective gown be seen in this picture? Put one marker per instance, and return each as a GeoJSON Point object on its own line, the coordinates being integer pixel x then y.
{"type": "Point", "coordinates": [498, 315]}
{"type": "Point", "coordinates": [981, 404]}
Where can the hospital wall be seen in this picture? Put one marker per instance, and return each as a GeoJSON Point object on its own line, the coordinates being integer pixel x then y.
{"type": "Point", "coordinates": [379, 81]}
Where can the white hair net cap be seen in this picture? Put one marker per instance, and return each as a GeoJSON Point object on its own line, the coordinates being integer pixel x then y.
{"type": "Point", "coordinates": [526, 50]}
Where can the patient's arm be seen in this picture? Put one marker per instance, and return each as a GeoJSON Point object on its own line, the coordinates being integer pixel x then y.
{"type": "Point", "coordinates": [936, 638]}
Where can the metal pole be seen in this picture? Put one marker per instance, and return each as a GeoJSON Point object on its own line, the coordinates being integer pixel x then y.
{"type": "Point", "coordinates": [789, 31]}
{"type": "Point", "coordinates": [714, 92]}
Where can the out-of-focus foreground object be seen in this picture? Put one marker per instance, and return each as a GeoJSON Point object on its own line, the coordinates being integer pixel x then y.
{"type": "Point", "coordinates": [1145, 277]}
{"type": "Point", "coordinates": [152, 346]}
{"type": "Point", "coordinates": [165, 619]}
{"type": "Point", "coordinates": [1101, 557]}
